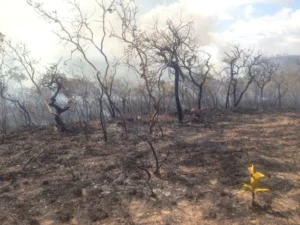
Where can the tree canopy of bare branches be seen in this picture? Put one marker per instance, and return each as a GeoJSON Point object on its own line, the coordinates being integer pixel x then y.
{"type": "Point", "coordinates": [240, 63]}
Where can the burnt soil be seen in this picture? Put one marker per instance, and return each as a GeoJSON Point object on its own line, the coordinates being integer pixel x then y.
{"type": "Point", "coordinates": [47, 177]}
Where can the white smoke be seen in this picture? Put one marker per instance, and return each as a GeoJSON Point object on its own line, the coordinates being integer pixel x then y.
{"type": "Point", "coordinates": [62, 99]}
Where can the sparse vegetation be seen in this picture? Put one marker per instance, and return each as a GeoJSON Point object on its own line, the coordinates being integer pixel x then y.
{"type": "Point", "coordinates": [254, 181]}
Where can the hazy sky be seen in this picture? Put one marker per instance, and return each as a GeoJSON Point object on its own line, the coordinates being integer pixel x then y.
{"type": "Point", "coordinates": [271, 25]}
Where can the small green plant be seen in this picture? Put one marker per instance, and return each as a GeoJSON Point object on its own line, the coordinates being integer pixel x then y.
{"type": "Point", "coordinates": [254, 181]}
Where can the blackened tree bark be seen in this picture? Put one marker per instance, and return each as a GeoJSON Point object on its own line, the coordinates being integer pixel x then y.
{"type": "Point", "coordinates": [265, 73]}
{"type": "Point", "coordinates": [170, 45]}
{"type": "Point", "coordinates": [53, 80]}
{"type": "Point", "coordinates": [241, 65]}
{"type": "Point", "coordinates": [198, 72]}
{"type": "Point", "coordinates": [178, 104]}
{"type": "Point", "coordinates": [282, 88]}
{"type": "Point", "coordinates": [59, 110]}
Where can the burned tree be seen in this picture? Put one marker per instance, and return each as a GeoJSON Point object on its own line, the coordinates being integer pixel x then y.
{"type": "Point", "coordinates": [7, 73]}
{"type": "Point", "coordinates": [169, 44]}
{"type": "Point", "coordinates": [82, 35]}
{"type": "Point", "coordinates": [264, 75]}
{"type": "Point", "coordinates": [53, 80]}
{"type": "Point", "coordinates": [241, 64]}
{"type": "Point", "coordinates": [197, 71]}
{"type": "Point", "coordinates": [139, 49]}
{"type": "Point", "coordinates": [22, 107]}
{"type": "Point", "coordinates": [281, 86]}
{"type": "Point", "coordinates": [19, 55]}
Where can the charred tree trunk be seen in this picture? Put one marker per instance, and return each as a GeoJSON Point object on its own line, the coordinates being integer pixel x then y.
{"type": "Point", "coordinates": [102, 120]}
{"type": "Point", "coordinates": [200, 96]}
{"type": "Point", "coordinates": [59, 121]}
{"type": "Point", "coordinates": [27, 117]}
{"type": "Point", "coordinates": [57, 116]}
{"type": "Point", "coordinates": [228, 95]}
{"type": "Point", "coordinates": [262, 96]}
{"type": "Point", "coordinates": [234, 94]}
{"type": "Point", "coordinates": [177, 99]}
{"type": "Point", "coordinates": [279, 96]}
{"type": "Point", "coordinates": [227, 104]}
{"type": "Point", "coordinates": [261, 93]}
{"type": "Point", "coordinates": [124, 105]}
{"type": "Point", "coordinates": [111, 110]}
{"type": "Point", "coordinates": [243, 92]}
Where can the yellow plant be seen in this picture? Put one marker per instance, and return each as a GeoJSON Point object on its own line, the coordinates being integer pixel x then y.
{"type": "Point", "coordinates": [254, 181]}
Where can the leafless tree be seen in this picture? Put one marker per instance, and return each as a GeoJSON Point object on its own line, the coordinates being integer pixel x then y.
{"type": "Point", "coordinates": [282, 87]}
{"type": "Point", "coordinates": [240, 65]}
{"type": "Point", "coordinates": [215, 85]}
{"type": "Point", "coordinates": [9, 54]}
{"type": "Point", "coordinates": [138, 47]}
{"type": "Point", "coordinates": [22, 107]}
{"type": "Point", "coordinates": [198, 71]}
{"type": "Point", "coordinates": [170, 44]}
{"type": "Point", "coordinates": [264, 75]}
{"type": "Point", "coordinates": [3, 101]}
{"type": "Point", "coordinates": [54, 81]}
{"type": "Point", "coordinates": [81, 35]}
{"type": "Point", "coordinates": [102, 118]}
{"type": "Point", "coordinates": [20, 55]}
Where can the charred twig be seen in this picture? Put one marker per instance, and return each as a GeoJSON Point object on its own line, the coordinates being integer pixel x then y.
{"type": "Point", "coordinates": [156, 172]}
{"type": "Point", "coordinates": [161, 130]}
{"type": "Point", "coordinates": [86, 129]}
{"type": "Point", "coordinates": [148, 173]}
{"type": "Point", "coordinates": [164, 160]}
{"type": "Point", "coordinates": [148, 180]}
{"type": "Point", "coordinates": [32, 158]}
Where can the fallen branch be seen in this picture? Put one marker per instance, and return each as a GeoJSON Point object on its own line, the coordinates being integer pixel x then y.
{"type": "Point", "coordinates": [32, 158]}
{"type": "Point", "coordinates": [164, 160]}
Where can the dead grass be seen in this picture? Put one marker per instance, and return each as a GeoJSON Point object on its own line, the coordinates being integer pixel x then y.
{"type": "Point", "coordinates": [79, 182]}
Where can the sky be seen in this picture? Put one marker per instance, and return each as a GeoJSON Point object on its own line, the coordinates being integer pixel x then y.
{"type": "Point", "coordinates": [272, 26]}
